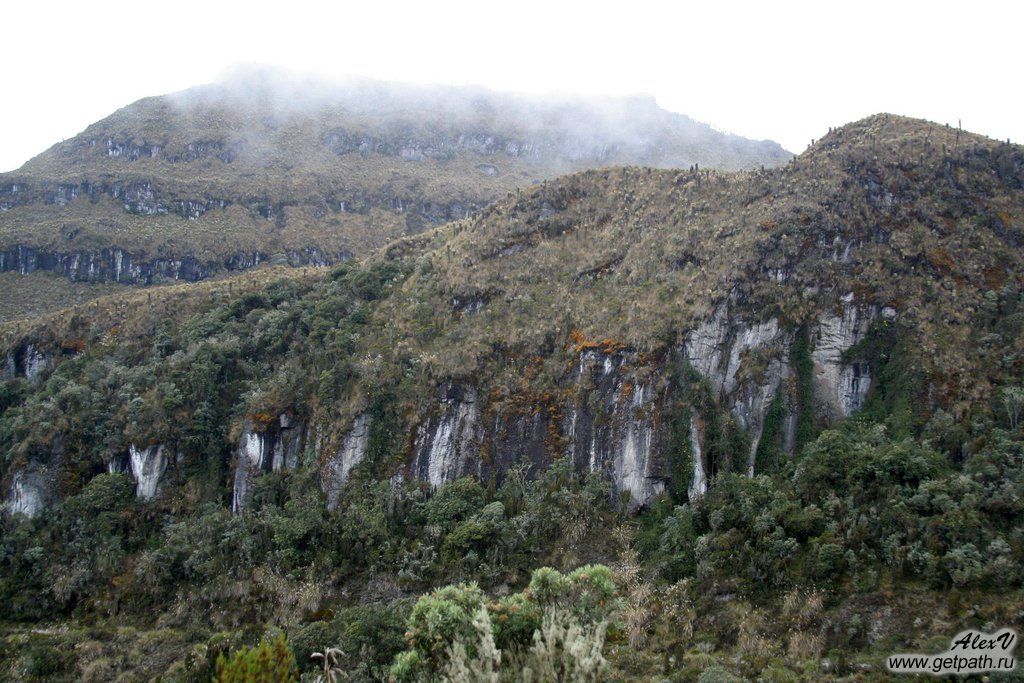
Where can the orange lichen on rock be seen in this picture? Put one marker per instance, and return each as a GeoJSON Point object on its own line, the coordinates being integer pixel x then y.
{"type": "Point", "coordinates": [579, 343]}
{"type": "Point", "coordinates": [261, 419]}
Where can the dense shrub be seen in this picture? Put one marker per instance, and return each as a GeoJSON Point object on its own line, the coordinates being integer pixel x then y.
{"type": "Point", "coordinates": [454, 502]}
{"type": "Point", "coordinates": [856, 499]}
{"type": "Point", "coordinates": [554, 607]}
{"type": "Point", "coordinates": [268, 662]}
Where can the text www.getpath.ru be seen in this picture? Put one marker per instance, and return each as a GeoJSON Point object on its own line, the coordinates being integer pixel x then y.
{"type": "Point", "coordinates": [940, 664]}
{"type": "Point", "coordinates": [970, 652]}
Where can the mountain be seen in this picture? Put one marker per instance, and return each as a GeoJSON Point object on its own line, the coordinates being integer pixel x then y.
{"type": "Point", "coordinates": [794, 392]}
{"type": "Point", "coordinates": [263, 165]}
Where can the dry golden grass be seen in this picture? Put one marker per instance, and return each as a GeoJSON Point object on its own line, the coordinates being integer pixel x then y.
{"type": "Point", "coordinates": [280, 156]}
{"type": "Point", "coordinates": [34, 295]}
{"type": "Point", "coordinates": [136, 311]}
{"type": "Point", "coordinates": [640, 256]}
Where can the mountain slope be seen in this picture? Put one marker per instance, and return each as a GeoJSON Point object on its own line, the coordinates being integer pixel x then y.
{"type": "Point", "coordinates": [263, 166]}
{"type": "Point", "coordinates": [793, 386]}
{"type": "Point", "coordinates": [889, 221]}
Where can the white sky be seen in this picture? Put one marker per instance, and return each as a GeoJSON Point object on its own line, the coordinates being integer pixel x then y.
{"type": "Point", "coordinates": [769, 69]}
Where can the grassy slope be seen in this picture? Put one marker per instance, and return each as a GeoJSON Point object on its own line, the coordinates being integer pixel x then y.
{"type": "Point", "coordinates": [641, 256]}
{"type": "Point", "coordinates": [135, 312]}
{"type": "Point", "coordinates": [279, 155]}
{"type": "Point", "coordinates": [40, 293]}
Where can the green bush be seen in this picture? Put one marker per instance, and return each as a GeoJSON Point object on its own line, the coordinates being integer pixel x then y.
{"type": "Point", "coordinates": [440, 617]}
{"type": "Point", "coordinates": [716, 674]}
{"type": "Point", "coordinates": [454, 502]}
{"type": "Point", "coordinates": [268, 662]}
{"type": "Point", "coordinates": [313, 637]}
{"type": "Point", "coordinates": [515, 618]}
{"type": "Point", "coordinates": [586, 597]}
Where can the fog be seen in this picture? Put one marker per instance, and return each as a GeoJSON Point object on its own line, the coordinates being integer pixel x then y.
{"type": "Point", "coordinates": [781, 71]}
{"type": "Point", "coordinates": [572, 127]}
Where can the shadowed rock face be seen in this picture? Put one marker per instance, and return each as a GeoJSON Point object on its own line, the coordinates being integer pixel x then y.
{"type": "Point", "coordinates": [745, 364]}
{"type": "Point", "coordinates": [118, 265]}
{"type": "Point", "coordinates": [610, 425]}
{"type": "Point", "coordinates": [513, 439]}
{"type": "Point", "coordinates": [748, 364]}
{"type": "Point", "coordinates": [750, 402]}
{"type": "Point", "coordinates": [445, 441]}
{"type": "Point", "coordinates": [28, 361]}
{"type": "Point", "coordinates": [609, 422]}
{"type": "Point", "coordinates": [254, 458]}
{"type": "Point", "coordinates": [634, 463]}
{"type": "Point", "coordinates": [260, 450]}
{"type": "Point", "coordinates": [288, 445]}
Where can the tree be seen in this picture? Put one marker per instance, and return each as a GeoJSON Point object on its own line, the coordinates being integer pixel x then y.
{"type": "Point", "coordinates": [1012, 399]}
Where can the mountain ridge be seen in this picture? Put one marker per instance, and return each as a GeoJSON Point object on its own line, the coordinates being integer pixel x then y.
{"type": "Point", "coordinates": [249, 169]}
{"type": "Point", "coordinates": [641, 257]}
{"type": "Point", "coordinates": [791, 391]}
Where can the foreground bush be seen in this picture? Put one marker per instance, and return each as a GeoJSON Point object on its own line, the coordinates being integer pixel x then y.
{"type": "Point", "coordinates": [268, 662]}
{"type": "Point", "coordinates": [556, 625]}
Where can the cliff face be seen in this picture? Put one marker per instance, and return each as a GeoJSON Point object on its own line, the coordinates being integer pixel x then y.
{"type": "Point", "coordinates": [274, 448]}
{"type": "Point", "coordinates": [654, 328]}
{"type": "Point", "coordinates": [609, 421]}
{"type": "Point", "coordinates": [115, 265]}
{"type": "Point", "coordinates": [257, 167]}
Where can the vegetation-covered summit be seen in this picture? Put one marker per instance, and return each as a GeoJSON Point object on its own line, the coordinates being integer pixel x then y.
{"type": "Point", "coordinates": [258, 167]}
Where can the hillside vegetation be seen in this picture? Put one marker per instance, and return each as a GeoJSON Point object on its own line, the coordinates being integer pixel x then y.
{"type": "Point", "coordinates": [626, 424]}
{"type": "Point", "coordinates": [41, 293]}
{"type": "Point", "coordinates": [258, 167]}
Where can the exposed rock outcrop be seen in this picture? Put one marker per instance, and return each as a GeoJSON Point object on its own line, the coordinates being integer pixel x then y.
{"type": "Point", "coordinates": [35, 362]}
{"type": "Point", "coordinates": [28, 361]}
{"type": "Point", "coordinates": [698, 480]}
{"type": "Point", "coordinates": [28, 492]}
{"type": "Point", "coordinates": [633, 463]}
{"type": "Point", "coordinates": [841, 385]}
{"type": "Point", "coordinates": [750, 402]}
{"type": "Point", "coordinates": [148, 466]}
{"type": "Point", "coordinates": [745, 364]}
{"type": "Point", "coordinates": [514, 436]}
{"type": "Point", "coordinates": [119, 464]}
{"type": "Point", "coordinates": [270, 448]}
{"type": "Point", "coordinates": [337, 469]}
{"type": "Point", "coordinates": [117, 265]}
{"type": "Point", "coordinates": [288, 445]}
{"type": "Point", "coordinates": [610, 425]}
{"type": "Point", "coordinates": [254, 457]}
{"type": "Point", "coordinates": [445, 440]}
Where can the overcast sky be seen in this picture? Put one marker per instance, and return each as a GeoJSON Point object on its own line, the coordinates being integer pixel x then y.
{"type": "Point", "coordinates": [780, 70]}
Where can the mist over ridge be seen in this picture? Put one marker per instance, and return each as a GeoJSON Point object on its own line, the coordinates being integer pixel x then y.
{"type": "Point", "coordinates": [268, 165]}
